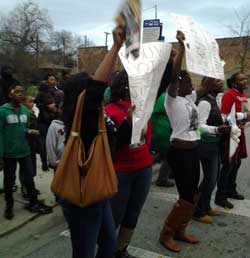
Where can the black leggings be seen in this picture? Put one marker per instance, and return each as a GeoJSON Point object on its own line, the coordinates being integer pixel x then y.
{"type": "Point", "coordinates": [186, 169]}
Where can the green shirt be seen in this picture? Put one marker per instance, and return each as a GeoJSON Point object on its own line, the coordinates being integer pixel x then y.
{"type": "Point", "coordinates": [161, 125]}
{"type": "Point", "coordinates": [13, 132]}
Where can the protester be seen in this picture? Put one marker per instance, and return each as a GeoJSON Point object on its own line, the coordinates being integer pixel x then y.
{"type": "Point", "coordinates": [93, 224]}
{"type": "Point", "coordinates": [7, 80]}
{"type": "Point", "coordinates": [65, 75]}
{"type": "Point", "coordinates": [183, 154]}
{"type": "Point", "coordinates": [33, 141]}
{"type": "Point", "coordinates": [55, 141]}
{"type": "Point", "coordinates": [14, 147]}
{"type": "Point", "coordinates": [132, 164]}
{"type": "Point", "coordinates": [212, 129]}
{"type": "Point", "coordinates": [47, 101]}
{"type": "Point", "coordinates": [227, 185]}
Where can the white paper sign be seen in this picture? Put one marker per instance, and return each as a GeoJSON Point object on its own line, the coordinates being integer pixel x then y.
{"type": "Point", "coordinates": [235, 133]}
{"type": "Point", "coordinates": [202, 50]}
{"type": "Point", "coordinates": [145, 74]}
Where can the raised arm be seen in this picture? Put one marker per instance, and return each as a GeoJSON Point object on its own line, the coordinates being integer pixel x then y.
{"type": "Point", "coordinates": [173, 87]}
{"type": "Point", "coordinates": [105, 69]}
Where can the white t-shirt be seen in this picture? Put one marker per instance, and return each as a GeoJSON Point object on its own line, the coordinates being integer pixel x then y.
{"type": "Point", "coordinates": [183, 116]}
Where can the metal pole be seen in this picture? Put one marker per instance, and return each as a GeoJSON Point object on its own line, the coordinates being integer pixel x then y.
{"type": "Point", "coordinates": [106, 39]}
{"type": "Point", "coordinates": [156, 11]}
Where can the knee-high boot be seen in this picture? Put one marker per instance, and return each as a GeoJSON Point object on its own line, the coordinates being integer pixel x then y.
{"type": "Point", "coordinates": [171, 224]}
{"type": "Point", "coordinates": [188, 210]}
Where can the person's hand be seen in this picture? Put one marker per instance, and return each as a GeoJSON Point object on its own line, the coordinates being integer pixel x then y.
{"type": "Point", "coordinates": [32, 131]}
{"type": "Point", "coordinates": [118, 36]}
{"type": "Point", "coordinates": [180, 36]}
{"type": "Point", "coordinates": [1, 167]}
{"type": "Point", "coordinates": [224, 129]}
{"type": "Point", "coordinates": [130, 113]}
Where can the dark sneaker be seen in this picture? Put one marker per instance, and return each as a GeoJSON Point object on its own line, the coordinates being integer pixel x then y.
{"type": "Point", "coordinates": [45, 168]}
{"type": "Point", "coordinates": [8, 213]}
{"type": "Point", "coordinates": [37, 192]}
{"type": "Point", "coordinates": [123, 254]}
{"type": "Point", "coordinates": [39, 208]}
{"type": "Point", "coordinates": [224, 203]}
{"type": "Point", "coordinates": [236, 196]}
{"type": "Point", "coordinates": [165, 183]}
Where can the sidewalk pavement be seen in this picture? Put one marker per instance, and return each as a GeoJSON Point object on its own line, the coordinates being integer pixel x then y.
{"type": "Point", "coordinates": [22, 216]}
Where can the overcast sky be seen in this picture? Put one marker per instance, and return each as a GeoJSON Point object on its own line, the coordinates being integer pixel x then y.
{"type": "Point", "coordinates": [94, 17]}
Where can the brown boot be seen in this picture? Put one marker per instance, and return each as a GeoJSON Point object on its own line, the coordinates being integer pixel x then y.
{"type": "Point", "coordinates": [169, 229]}
{"type": "Point", "coordinates": [187, 212]}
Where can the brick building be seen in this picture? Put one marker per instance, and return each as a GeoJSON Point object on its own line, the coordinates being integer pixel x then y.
{"type": "Point", "coordinates": [230, 49]}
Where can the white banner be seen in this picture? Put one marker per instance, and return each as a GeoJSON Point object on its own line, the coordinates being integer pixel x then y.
{"type": "Point", "coordinates": [145, 74]}
{"type": "Point", "coordinates": [202, 50]}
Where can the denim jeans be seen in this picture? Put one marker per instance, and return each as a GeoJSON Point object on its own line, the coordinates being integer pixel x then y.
{"type": "Point", "coordinates": [133, 189]}
{"type": "Point", "coordinates": [227, 180]}
{"type": "Point", "coordinates": [26, 171]}
{"type": "Point", "coordinates": [210, 158]}
{"type": "Point", "coordinates": [90, 226]}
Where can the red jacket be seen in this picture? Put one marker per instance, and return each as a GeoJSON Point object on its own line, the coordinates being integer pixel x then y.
{"type": "Point", "coordinates": [129, 159]}
{"type": "Point", "coordinates": [231, 97]}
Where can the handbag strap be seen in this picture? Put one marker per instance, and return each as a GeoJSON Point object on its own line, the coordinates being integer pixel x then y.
{"type": "Point", "coordinates": [101, 121]}
{"type": "Point", "coordinates": [76, 125]}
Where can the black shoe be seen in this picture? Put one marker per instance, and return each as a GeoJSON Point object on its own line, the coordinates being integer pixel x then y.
{"type": "Point", "coordinates": [122, 254]}
{"type": "Point", "coordinates": [37, 192]}
{"type": "Point", "coordinates": [224, 203]}
{"type": "Point", "coordinates": [236, 196]}
{"type": "Point", "coordinates": [45, 168]}
{"type": "Point", "coordinates": [1, 191]}
{"type": "Point", "coordinates": [8, 213]}
{"type": "Point", "coordinates": [39, 208]}
{"type": "Point", "coordinates": [165, 183]}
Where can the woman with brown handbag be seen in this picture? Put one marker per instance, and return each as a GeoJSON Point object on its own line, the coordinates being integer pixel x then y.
{"type": "Point", "coordinates": [89, 222]}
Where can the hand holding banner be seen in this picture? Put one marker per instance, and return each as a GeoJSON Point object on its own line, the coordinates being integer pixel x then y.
{"type": "Point", "coordinates": [202, 51]}
{"type": "Point", "coordinates": [130, 18]}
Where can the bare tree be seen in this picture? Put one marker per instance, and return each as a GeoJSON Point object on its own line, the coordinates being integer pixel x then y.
{"type": "Point", "coordinates": [24, 27]}
{"type": "Point", "coordinates": [64, 45]}
{"type": "Point", "coordinates": [242, 30]}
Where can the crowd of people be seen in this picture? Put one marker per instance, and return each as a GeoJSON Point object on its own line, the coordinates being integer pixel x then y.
{"type": "Point", "coordinates": [188, 128]}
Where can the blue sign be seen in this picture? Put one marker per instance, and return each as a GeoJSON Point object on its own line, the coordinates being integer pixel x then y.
{"type": "Point", "coordinates": [151, 23]}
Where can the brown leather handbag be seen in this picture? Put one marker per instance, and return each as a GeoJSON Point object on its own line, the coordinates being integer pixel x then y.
{"type": "Point", "coordinates": [85, 179]}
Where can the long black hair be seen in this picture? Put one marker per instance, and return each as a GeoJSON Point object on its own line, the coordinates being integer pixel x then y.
{"type": "Point", "coordinates": [92, 104]}
{"type": "Point", "coordinates": [119, 86]}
